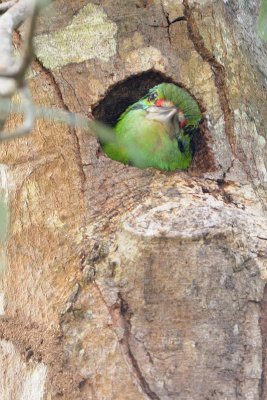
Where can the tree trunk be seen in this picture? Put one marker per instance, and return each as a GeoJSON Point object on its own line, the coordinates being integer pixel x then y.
{"type": "Point", "coordinates": [120, 283]}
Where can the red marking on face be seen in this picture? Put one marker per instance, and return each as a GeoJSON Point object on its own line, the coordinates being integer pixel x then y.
{"type": "Point", "coordinates": [164, 103]}
{"type": "Point", "coordinates": [183, 123]}
{"type": "Point", "coordinates": [159, 102]}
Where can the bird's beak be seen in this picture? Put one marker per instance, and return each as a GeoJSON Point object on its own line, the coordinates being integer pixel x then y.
{"type": "Point", "coordinates": [166, 115]}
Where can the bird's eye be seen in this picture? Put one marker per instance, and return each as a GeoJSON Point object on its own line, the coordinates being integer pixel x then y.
{"type": "Point", "coordinates": [152, 96]}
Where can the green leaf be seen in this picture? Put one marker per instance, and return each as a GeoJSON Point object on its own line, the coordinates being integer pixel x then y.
{"type": "Point", "coordinates": [262, 21]}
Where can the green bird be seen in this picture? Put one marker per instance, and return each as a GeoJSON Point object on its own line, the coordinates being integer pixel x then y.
{"type": "Point", "coordinates": [157, 130]}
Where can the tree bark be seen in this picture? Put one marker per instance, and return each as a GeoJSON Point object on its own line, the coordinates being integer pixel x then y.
{"type": "Point", "coordinates": [120, 283]}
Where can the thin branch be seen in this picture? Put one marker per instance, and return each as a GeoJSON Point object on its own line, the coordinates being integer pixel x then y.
{"type": "Point", "coordinates": [9, 21]}
{"type": "Point", "coordinates": [28, 50]}
{"type": "Point", "coordinates": [19, 69]}
{"type": "Point", "coordinates": [95, 128]}
{"type": "Point", "coordinates": [12, 72]}
{"type": "Point", "coordinates": [5, 6]}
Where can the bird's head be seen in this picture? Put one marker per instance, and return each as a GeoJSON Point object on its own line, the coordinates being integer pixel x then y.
{"type": "Point", "coordinates": [160, 106]}
{"type": "Point", "coordinates": [168, 102]}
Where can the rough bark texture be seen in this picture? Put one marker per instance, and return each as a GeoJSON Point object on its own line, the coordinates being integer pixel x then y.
{"type": "Point", "coordinates": [120, 283]}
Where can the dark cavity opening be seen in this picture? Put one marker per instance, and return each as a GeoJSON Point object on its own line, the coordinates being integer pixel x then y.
{"type": "Point", "coordinates": [130, 90]}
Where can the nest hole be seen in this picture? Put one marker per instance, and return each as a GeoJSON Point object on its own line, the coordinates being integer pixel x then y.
{"type": "Point", "coordinates": [126, 92]}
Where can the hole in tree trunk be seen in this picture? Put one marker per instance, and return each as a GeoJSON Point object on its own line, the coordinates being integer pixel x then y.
{"type": "Point", "coordinates": [124, 93]}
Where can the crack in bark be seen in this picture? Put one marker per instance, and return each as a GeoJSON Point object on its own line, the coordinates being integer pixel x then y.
{"type": "Point", "coordinates": [76, 142]}
{"type": "Point", "coordinates": [220, 83]}
{"type": "Point", "coordinates": [73, 134]}
{"type": "Point", "coordinates": [218, 71]}
{"type": "Point", "coordinates": [72, 131]}
{"type": "Point", "coordinates": [50, 77]}
{"type": "Point", "coordinates": [121, 318]}
{"type": "Point", "coordinates": [228, 170]}
{"type": "Point", "coordinates": [77, 147]}
{"type": "Point", "coordinates": [166, 15]}
{"type": "Point", "coordinates": [169, 23]}
{"type": "Point", "coordinates": [79, 158]}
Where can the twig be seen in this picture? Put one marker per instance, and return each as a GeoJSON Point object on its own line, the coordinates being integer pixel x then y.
{"type": "Point", "coordinates": [12, 72]}
{"type": "Point", "coordinates": [5, 6]}
{"type": "Point", "coordinates": [19, 69]}
{"type": "Point", "coordinates": [95, 128]}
